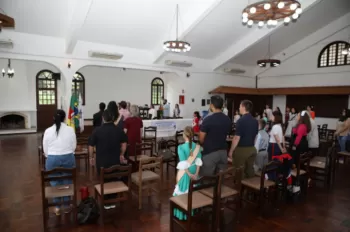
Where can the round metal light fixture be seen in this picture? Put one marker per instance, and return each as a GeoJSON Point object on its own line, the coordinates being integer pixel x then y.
{"type": "Point", "coordinates": [177, 46]}
{"type": "Point", "coordinates": [273, 62]}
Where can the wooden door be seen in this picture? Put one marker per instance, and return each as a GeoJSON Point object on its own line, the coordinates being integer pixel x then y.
{"type": "Point", "coordinates": [46, 95]}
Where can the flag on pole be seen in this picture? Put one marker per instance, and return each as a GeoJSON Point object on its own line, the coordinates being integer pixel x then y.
{"type": "Point", "coordinates": [73, 112]}
{"type": "Point", "coordinates": [81, 115]}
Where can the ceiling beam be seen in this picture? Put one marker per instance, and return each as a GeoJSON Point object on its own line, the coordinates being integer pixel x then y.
{"type": "Point", "coordinates": [80, 13]}
{"type": "Point", "coordinates": [196, 19]}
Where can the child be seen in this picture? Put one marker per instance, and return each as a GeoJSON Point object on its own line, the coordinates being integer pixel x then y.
{"type": "Point", "coordinates": [188, 168]}
{"type": "Point", "coordinates": [196, 122]}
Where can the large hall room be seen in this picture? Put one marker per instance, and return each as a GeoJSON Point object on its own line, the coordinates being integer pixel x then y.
{"type": "Point", "coordinates": [174, 115]}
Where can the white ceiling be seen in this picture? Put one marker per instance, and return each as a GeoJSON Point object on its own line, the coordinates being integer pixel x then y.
{"type": "Point", "coordinates": [313, 19]}
{"type": "Point", "coordinates": [144, 24]}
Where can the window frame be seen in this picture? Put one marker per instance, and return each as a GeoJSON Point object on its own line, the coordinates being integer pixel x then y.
{"type": "Point", "coordinates": [326, 49]}
{"type": "Point", "coordinates": [74, 82]}
{"type": "Point", "coordinates": [38, 89]}
{"type": "Point", "coordinates": [158, 86]}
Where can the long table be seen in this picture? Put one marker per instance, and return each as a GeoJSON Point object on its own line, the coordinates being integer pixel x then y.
{"type": "Point", "coordinates": [165, 127]}
{"type": "Point", "coordinates": [168, 127]}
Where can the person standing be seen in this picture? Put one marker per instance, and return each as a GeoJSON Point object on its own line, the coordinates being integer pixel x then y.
{"type": "Point", "coordinates": [133, 128]}
{"type": "Point", "coordinates": [276, 142]}
{"type": "Point", "coordinates": [343, 131]}
{"type": "Point", "coordinates": [212, 136]}
{"type": "Point", "coordinates": [236, 117]}
{"type": "Point", "coordinates": [243, 152]}
{"type": "Point", "coordinates": [311, 111]}
{"type": "Point", "coordinates": [114, 112]}
{"type": "Point", "coordinates": [177, 111]}
{"type": "Point", "coordinates": [225, 110]}
{"type": "Point", "coordinates": [313, 139]}
{"type": "Point", "coordinates": [299, 136]}
{"type": "Point", "coordinates": [59, 144]}
{"type": "Point", "coordinates": [196, 122]}
{"type": "Point", "coordinates": [123, 111]}
{"type": "Point", "coordinates": [261, 144]}
{"type": "Point", "coordinates": [97, 118]}
{"type": "Point", "coordinates": [166, 109]}
{"type": "Point", "coordinates": [268, 112]}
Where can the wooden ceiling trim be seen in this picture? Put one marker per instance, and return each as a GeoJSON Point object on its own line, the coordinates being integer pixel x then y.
{"type": "Point", "coordinates": [331, 90]}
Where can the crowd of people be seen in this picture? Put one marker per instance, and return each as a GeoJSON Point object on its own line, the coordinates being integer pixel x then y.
{"type": "Point", "coordinates": [256, 141]}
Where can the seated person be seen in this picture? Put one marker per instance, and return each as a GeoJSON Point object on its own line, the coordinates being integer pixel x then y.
{"type": "Point", "coordinates": [188, 168]}
{"type": "Point", "coordinates": [261, 144]}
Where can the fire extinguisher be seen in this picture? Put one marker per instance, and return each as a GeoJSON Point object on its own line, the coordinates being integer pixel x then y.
{"type": "Point", "coordinates": [84, 192]}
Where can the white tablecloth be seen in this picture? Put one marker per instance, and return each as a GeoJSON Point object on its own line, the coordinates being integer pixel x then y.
{"type": "Point", "coordinates": [168, 127]}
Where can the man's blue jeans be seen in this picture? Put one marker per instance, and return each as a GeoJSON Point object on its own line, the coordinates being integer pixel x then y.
{"type": "Point", "coordinates": [342, 142]}
{"type": "Point", "coordinates": [60, 161]}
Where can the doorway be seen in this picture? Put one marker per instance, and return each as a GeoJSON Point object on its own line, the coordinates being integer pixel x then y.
{"type": "Point", "coordinates": [46, 95]}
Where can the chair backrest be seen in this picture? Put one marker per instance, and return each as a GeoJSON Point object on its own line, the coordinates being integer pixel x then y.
{"type": "Point", "coordinates": [203, 183]}
{"type": "Point", "coordinates": [47, 176]}
{"type": "Point", "coordinates": [330, 135]}
{"type": "Point", "coordinates": [150, 163]}
{"type": "Point", "coordinates": [116, 172]}
{"type": "Point", "coordinates": [142, 148]}
{"type": "Point", "coordinates": [304, 162]}
{"type": "Point", "coordinates": [151, 131]}
{"type": "Point", "coordinates": [234, 174]}
{"type": "Point", "coordinates": [324, 126]}
{"type": "Point", "coordinates": [330, 158]}
{"type": "Point", "coordinates": [270, 168]}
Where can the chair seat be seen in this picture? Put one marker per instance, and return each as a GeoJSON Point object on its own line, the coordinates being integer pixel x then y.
{"type": "Point", "coordinates": [198, 200]}
{"type": "Point", "coordinates": [112, 187]}
{"type": "Point", "coordinates": [317, 164]}
{"type": "Point", "coordinates": [344, 153]}
{"type": "Point", "coordinates": [258, 173]}
{"type": "Point", "coordinates": [146, 176]}
{"type": "Point", "coordinates": [51, 192]}
{"type": "Point", "coordinates": [294, 172]}
{"type": "Point", "coordinates": [167, 155]}
{"type": "Point", "coordinates": [81, 152]}
{"type": "Point", "coordinates": [138, 157]}
{"type": "Point", "coordinates": [225, 192]}
{"type": "Point", "coordinates": [254, 183]}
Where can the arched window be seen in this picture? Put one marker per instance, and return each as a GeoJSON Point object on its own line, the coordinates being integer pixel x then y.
{"type": "Point", "coordinates": [331, 55]}
{"type": "Point", "coordinates": [78, 85]}
{"type": "Point", "coordinates": [157, 91]}
{"type": "Point", "coordinates": [46, 88]}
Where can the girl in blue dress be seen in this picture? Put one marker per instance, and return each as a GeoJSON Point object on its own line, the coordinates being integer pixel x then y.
{"type": "Point", "coordinates": [188, 168]}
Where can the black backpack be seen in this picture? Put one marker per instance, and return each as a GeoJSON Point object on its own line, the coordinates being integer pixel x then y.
{"type": "Point", "coordinates": [88, 211]}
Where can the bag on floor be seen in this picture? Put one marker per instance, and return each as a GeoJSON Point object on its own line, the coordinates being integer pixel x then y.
{"type": "Point", "coordinates": [88, 211]}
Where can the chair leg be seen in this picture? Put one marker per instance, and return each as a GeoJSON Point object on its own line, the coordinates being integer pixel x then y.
{"type": "Point", "coordinates": [241, 197]}
{"type": "Point", "coordinates": [140, 197]}
{"type": "Point", "coordinates": [171, 216]}
{"type": "Point", "coordinates": [44, 217]}
{"type": "Point", "coordinates": [189, 220]}
{"type": "Point", "coordinates": [159, 193]}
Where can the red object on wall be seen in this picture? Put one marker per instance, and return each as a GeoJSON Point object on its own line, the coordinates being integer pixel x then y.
{"type": "Point", "coordinates": [181, 99]}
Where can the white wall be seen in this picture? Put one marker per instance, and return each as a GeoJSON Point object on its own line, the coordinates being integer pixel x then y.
{"type": "Point", "coordinates": [104, 84]}
{"type": "Point", "coordinates": [197, 86]}
{"type": "Point", "coordinates": [299, 65]}
{"type": "Point", "coordinates": [19, 92]}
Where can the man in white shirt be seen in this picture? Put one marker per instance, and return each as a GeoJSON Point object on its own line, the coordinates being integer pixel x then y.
{"type": "Point", "coordinates": [261, 144]}
{"type": "Point", "coordinates": [268, 112]}
{"type": "Point", "coordinates": [312, 137]}
{"type": "Point", "coordinates": [166, 109]}
{"type": "Point", "coordinates": [225, 110]}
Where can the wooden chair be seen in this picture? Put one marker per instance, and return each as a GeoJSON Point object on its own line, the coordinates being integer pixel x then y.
{"type": "Point", "coordinates": [301, 173]}
{"type": "Point", "coordinates": [41, 153]}
{"type": "Point", "coordinates": [193, 200]}
{"type": "Point", "coordinates": [179, 137]}
{"type": "Point", "coordinates": [168, 150]}
{"type": "Point", "coordinates": [50, 192]}
{"type": "Point", "coordinates": [111, 182]}
{"type": "Point", "coordinates": [323, 168]}
{"type": "Point", "coordinates": [146, 177]}
{"type": "Point", "coordinates": [150, 134]}
{"type": "Point", "coordinates": [264, 188]}
{"type": "Point", "coordinates": [142, 150]}
{"type": "Point", "coordinates": [82, 153]}
{"type": "Point", "coordinates": [227, 192]}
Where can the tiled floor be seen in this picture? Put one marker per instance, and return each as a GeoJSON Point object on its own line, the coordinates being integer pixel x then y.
{"type": "Point", "coordinates": [20, 202]}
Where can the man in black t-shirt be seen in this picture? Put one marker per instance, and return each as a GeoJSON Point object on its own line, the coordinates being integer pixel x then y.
{"type": "Point", "coordinates": [97, 118]}
{"type": "Point", "coordinates": [110, 142]}
{"type": "Point", "coordinates": [212, 137]}
{"type": "Point", "coordinates": [243, 152]}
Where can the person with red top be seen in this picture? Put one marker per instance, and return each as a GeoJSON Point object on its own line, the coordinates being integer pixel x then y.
{"type": "Point", "coordinates": [195, 122]}
{"type": "Point", "coordinates": [311, 111]}
{"type": "Point", "coordinates": [299, 135]}
{"type": "Point", "coordinates": [133, 128]}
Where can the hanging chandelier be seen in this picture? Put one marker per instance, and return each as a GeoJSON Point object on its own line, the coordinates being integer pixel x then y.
{"type": "Point", "coordinates": [177, 45]}
{"type": "Point", "coordinates": [270, 11]}
{"type": "Point", "coordinates": [10, 71]}
{"type": "Point", "coordinates": [273, 62]}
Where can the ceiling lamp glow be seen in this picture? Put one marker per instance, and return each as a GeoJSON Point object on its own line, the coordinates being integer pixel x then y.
{"type": "Point", "coordinates": [177, 45]}
{"type": "Point", "coordinates": [10, 71]}
{"type": "Point", "coordinates": [271, 11]}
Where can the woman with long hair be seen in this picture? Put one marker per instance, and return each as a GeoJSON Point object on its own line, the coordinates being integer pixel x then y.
{"type": "Point", "coordinates": [276, 143]}
{"type": "Point", "coordinates": [114, 111]}
{"type": "Point", "coordinates": [177, 111]}
{"type": "Point", "coordinates": [292, 122]}
{"type": "Point", "coordinates": [299, 136]}
{"type": "Point", "coordinates": [59, 144]}
{"type": "Point", "coordinates": [190, 158]}
{"type": "Point", "coordinates": [133, 129]}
